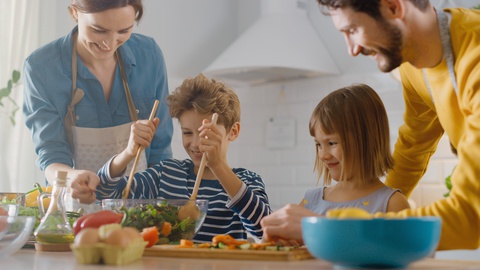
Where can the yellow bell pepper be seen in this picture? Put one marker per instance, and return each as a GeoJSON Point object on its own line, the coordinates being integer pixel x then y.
{"type": "Point", "coordinates": [31, 197]}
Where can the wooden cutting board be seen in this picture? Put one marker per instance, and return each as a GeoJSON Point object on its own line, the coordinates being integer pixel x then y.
{"type": "Point", "coordinates": [237, 254]}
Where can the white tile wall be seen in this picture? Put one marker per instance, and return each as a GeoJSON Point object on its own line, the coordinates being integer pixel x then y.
{"type": "Point", "coordinates": [288, 173]}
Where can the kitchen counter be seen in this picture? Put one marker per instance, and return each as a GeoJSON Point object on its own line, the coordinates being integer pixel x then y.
{"type": "Point", "coordinates": [30, 259]}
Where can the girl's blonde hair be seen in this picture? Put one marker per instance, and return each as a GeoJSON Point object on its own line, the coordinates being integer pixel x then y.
{"type": "Point", "coordinates": [205, 96]}
{"type": "Point", "coordinates": [357, 115]}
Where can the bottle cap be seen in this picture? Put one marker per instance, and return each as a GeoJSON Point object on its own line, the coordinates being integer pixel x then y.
{"type": "Point", "coordinates": [60, 178]}
{"type": "Point", "coordinates": [61, 174]}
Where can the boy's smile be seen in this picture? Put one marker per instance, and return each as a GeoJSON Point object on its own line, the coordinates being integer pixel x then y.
{"type": "Point", "coordinates": [190, 122]}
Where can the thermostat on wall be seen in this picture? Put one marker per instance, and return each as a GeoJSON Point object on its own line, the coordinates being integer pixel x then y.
{"type": "Point", "coordinates": [280, 132]}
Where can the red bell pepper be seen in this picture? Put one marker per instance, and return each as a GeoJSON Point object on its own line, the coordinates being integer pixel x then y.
{"type": "Point", "coordinates": [97, 219]}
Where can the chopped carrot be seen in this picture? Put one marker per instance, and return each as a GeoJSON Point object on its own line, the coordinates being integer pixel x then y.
{"type": "Point", "coordinates": [205, 245]}
{"type": "Point", "coordinates": [166, 228]}
{"type": "Point", "coordinates": [224, 238]}
{"type": "Point", "coordinates": [262, 245]}
{"type": "Point", "coordinates": [240, 242]}
{"type": "Point", "coordinates": [185, 243]}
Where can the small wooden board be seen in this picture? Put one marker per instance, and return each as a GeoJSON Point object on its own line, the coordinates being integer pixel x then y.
{"type": "Point", "coordinates": [236, 254]}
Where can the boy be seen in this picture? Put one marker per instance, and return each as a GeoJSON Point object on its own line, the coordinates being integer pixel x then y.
{"type": "Point", "coordinates": [237, 197]}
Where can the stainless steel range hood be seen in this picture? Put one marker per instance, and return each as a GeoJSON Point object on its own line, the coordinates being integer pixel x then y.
{"type": "Point", "coordinates": [281, 45]}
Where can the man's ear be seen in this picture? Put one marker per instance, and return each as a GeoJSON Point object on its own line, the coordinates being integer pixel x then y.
{"type": "Point", "coordinates": [393, 9]}
{"type": "Point", "coordinates": [234, 131]}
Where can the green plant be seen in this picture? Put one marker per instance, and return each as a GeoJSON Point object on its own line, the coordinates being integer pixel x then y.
{"type": "Point", "coordinates": [13, 82]}
{"type": "Point", "coordinates": [448, 184]}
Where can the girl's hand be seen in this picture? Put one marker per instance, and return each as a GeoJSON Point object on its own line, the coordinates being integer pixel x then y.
{"type": "Point", "coordinates": [141, 134]}
{"type": "Point", "coordinates": [285, 223]}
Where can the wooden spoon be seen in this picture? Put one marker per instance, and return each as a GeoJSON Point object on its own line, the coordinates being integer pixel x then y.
{"type": "Point", "coordinates": [190, 209]}
{"type": "Point", "coordinates": [126, 191]}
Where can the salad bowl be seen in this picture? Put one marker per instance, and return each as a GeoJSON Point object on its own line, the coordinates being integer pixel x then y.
{"type": "Point", "coordinates": [144, 213]}
{"type": "Point", "coordinates": [14, 233]}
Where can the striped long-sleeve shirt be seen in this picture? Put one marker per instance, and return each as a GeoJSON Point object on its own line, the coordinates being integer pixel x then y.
{"type": "Point", "coordinates": [174, 179]}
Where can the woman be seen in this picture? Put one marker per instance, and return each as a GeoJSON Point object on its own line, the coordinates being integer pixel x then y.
{"type": "Point", "coordinates": [84, 90]}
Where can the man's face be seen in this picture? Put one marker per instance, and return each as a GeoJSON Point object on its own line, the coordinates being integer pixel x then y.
{"type": "Point", "coordinates": [379, 39]}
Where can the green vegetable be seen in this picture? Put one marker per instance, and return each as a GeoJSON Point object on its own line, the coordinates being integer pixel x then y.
{"type": "Point", "coordinates": [155, 215]}
{"type": "Point", "coordinates": [245, 246]}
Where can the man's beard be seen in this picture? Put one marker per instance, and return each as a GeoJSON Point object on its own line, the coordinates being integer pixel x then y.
{"type": "Point", "coordinates": [392, 53]}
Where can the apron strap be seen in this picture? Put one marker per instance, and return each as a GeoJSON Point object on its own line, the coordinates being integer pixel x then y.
{"type": "Point", "coordinates": [77, 95]}
{"type": "Point", "coordinates": [131, 106]}
{"type": "Point", "coordinates": [447, 51]}
{"type": "Point", "coordinates": [444, 26]}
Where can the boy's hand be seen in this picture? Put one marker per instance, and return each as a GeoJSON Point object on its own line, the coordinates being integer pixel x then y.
{"type": "Point", "coordinates": [211, 142]}
{"type": "Point", "coordinates": [141, 134]}
{"type": "Point", "coordinates": [84, 184]}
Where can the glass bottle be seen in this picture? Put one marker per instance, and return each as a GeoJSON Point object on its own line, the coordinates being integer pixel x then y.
{"type": "Point", "coordinates": [54, 226]}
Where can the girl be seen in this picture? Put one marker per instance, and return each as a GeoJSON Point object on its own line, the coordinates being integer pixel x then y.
{"type": "Point", "coordinates": [350, 128]}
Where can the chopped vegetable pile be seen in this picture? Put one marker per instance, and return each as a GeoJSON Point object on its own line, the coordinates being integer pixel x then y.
{"type": "Point", "coordinates": [227, 242]}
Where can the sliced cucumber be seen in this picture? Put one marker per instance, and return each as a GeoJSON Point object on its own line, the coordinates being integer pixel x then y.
{"type": "Point", "coordinates": [245, 246]}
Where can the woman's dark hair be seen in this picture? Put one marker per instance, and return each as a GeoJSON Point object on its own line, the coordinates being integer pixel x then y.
{"type": "Point", "coordinates": [370, 7]}
{"type": "Point", "coordinates": [94, 6]}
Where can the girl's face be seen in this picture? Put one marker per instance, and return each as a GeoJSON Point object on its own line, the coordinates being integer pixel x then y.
{"type": "Point", "coordinates": [190, 121]}
{"type": "Point", "coordinates": [101, 33]}
{"type": "Point", "coordinates": [329, 151]}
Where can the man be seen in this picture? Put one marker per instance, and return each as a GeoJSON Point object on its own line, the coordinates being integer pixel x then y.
{"type": "Point", "coordinates": [439, 54]}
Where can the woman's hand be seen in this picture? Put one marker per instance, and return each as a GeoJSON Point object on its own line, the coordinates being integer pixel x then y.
{"type": "Point", "coordinates": [285, 223]}
{"type": "Point", "coordinates": [84, 183]}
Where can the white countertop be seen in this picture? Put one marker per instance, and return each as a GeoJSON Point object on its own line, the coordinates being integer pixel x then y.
{"type": "Point", "coordinates": [31, 259]}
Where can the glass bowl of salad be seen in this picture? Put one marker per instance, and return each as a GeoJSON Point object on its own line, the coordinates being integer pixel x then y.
{"type": "Point", "coordinates": [14, 233]}
{"type": "Point", "coordinates": [165, 214]}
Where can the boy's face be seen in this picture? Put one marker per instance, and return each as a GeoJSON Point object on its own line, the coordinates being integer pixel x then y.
{"type": "Point", "coordinates": [190, 121]}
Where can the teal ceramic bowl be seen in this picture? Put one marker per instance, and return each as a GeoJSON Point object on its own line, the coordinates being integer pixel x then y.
{"type": "Point", "coordinates": [371, 243]}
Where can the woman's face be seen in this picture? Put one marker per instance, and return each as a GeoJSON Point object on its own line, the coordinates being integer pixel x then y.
{"type": "Point", "coordinates": [101, 33]}
{"type": "Point", "coordinates": [329, 151]}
